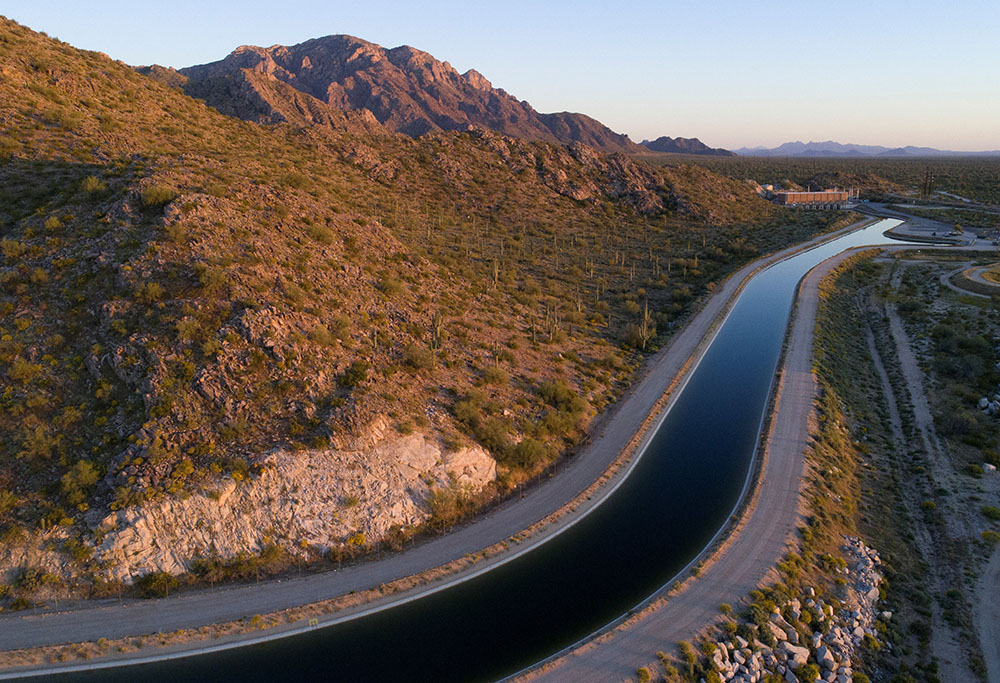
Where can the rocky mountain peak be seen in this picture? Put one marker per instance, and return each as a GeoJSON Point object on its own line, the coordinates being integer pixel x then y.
{"type": "Point", "coordinates": [406, 89]}
{"type": "Point", "coordinates": [477, 80]}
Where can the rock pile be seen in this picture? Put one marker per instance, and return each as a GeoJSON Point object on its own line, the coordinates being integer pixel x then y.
{"type": "Point", "coordinates": [827, 638]}
{"type": "Point", "coordinates": [990, 406]}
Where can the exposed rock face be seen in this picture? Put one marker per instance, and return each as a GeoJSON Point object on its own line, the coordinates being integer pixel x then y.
{"type": "Point", "coordinates": [405, 89]}
{"type": "Point", "coordinates": [314, 499]}
{"type": "Point", "coordinates": [684, 146]}
{"type": "Point", "coordinates": [311, 499]}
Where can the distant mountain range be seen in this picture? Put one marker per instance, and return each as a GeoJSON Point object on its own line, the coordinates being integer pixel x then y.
{"type": "Point", "coordinates": [836, 149]}
{"type": "Point", "coordinates": [684, 146]}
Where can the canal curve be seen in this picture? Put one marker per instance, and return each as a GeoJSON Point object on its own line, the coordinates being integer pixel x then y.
{"type": "Point", "coordinates": [679, 495]}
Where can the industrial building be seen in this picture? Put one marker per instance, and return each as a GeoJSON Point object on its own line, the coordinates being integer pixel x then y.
{"type": "Point", "coordinates": [822, 199]}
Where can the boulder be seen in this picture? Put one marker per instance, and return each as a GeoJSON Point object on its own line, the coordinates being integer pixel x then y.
{"type": "Point", "coordinates": [797, 656]}
{"type": "Point", "coordinates": [825, 658]}
{"type": "Point", "coordinates": [777, 631]}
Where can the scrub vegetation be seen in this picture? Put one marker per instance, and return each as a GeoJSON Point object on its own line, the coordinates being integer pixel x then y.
{"type": "Point", "coordinates": [181, 292]}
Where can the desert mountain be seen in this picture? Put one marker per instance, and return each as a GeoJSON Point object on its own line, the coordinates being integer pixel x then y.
{"type": "Point", "coordinates": [830, 148]}
{"type": "Point", "coordinates": [684, 146]}
{"type": "Point", "coordinates": [404, 89]}
{"type": "Point", "coordinates": [200, 315]}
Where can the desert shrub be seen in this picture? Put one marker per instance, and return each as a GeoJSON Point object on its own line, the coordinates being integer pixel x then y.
{"type": "Point", "coordinates": [471, 409]}
{"type": "Point", "coordinates": [529, 453]}
{"type": "Point", "coordinates": [355, 374]}
{"type": "Point", "coordinates": [211, 278]}
{"type": "Point", "coordinates": [320, 233]}
{"type": "Point", "coordinates": [418, 357]}
{"type": "Point", "coordinates": [149, 292]}
{"type": "Point", "coordinates": [12, 249]}
{"type": "Point", "coordinates": [8, 499]}
{"type": "Point", "coordinates": [30, 579]}
{"type": "Point", "coordinates": [493, 434]}
{"type": "Point", "coordinates": [154, 196]}
{"type": "Point", "coordinates": [92, 185]}
{"type": "Point", "coordinates": [81, 552]}
{"type": "Point", "coordinates": [37, 440]}
{"type": "Point", "coordinates": [320, 334]}
{"type": "Point", "coordinates": [559, 395]}
{"type": "Point", "coordinates": [449, 505]}
{"type": "Point", "coordinates": [389, 286]}
{"type": "Point", "coordinates": [23, 371]}
{"type": "Point", "coordinates": [495, 375]}
{"type": "Point", "coordinates": [807, 672]}
{"type": "Point", "coordinates": [296, 180]}
{"type": "Point", "coordinates": [78, 481]}
{"type": "Point", "coordinates": [156, 584]}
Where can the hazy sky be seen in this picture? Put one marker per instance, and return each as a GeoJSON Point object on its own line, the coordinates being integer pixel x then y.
{"type": "Point", "coordinates": [731, 73]}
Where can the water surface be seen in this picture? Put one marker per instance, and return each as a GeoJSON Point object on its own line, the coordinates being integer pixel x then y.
{"type": "Point", "coordinates": [680, 493]}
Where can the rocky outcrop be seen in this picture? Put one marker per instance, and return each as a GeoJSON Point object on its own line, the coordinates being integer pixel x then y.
{"type": "Point", "coordinates": [827, 639]}
{"type": "Point", "coordinates": [678, 145]}
{"type": "Point", "coordinates": [300, 500]}
{"type": "Point", "coordinates": [405, 89]}
{"type": "Point", "coordinates": [306, 502]}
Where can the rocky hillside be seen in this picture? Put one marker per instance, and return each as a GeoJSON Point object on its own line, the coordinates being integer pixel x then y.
{"type": "Point", "coordinates": [668, 145]}
{"type": "Point", "coordinates": [195, 308]}
{"type": "Point", "coordinates": [405, 89]}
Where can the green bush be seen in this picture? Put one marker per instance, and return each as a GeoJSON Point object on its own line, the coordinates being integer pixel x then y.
{"type": "Point", "coordinates": [149, 292]}
{"type": "Point", "coordinates": [154, 196]}
{"type": "Point", "coordinates": [991, 512]}
{"type": "Point", "coordinates": [496, 376]}
{"type": "Point", "coordinates": [77, 482]}
{"type": "Point", "coordinates": [807, 673]}
{"type": "Point", "coordinates": [92, 185]}
{"type": "Point", "coordinates": [418, 357]}
{"type": "Point", "coordinates": [355, 374]}
{"type": "Point", "coordinates": [156, 584]}
{"type": "Point", "coordinates": [320, 233]}
{"type": "Point", "coordinates": [558, 394]}
{"type": "Point", "coordinates": [12, 249]}
{"type": "Point", "coordinates": [389, 286]}
{"type": "Point", "coordinates": [530, 453]}
{"type": "Point", "coordinates": [211, 278]}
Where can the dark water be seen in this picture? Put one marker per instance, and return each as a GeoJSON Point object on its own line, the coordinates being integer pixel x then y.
{"type": "Point", "coordinates": [679, 495]}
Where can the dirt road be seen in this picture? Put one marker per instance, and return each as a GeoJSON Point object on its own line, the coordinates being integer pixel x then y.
{"type": "Point", "coordinates": [753, 553]}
